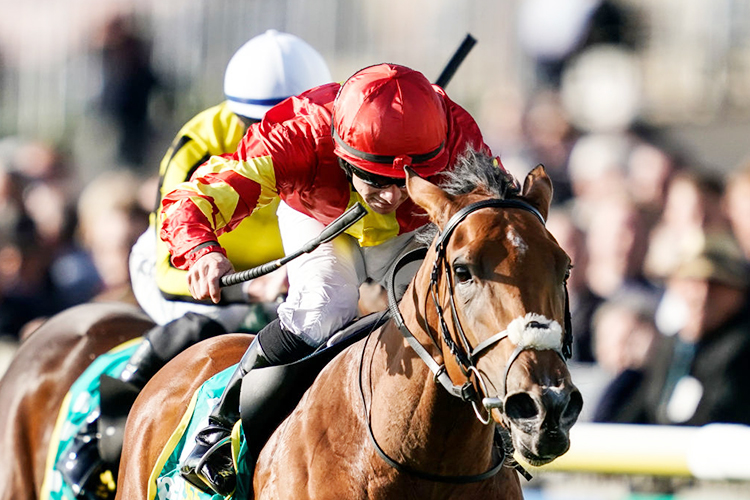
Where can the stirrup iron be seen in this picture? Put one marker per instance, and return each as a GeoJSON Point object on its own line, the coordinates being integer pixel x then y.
{"type": "Point", "coordinates": [198, 478]}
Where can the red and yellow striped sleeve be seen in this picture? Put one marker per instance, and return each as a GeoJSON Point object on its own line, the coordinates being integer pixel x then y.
{"type": "Point", "coordinates": [228, 188]}
{"type": "Point", "coordinates": [223, 191]}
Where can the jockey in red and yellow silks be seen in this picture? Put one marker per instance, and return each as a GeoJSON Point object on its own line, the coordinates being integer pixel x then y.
{"type": "Point", "coordinates": [263, 72]}
{"type": "Point", "coordinates": [289, 155]}
{"type": "Point", "coordinates": [320, 152]}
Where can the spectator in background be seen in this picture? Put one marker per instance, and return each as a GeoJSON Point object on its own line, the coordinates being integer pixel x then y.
{"type": "Point", "coordinates": [111, 218]}
{"type": "Point", "coordinates": [692, 207]}
{"type": "Point", "coordinates": [699, 374]}
{"type": "Point", "coordinates": [18, 250]}
{"type": "Point", "coordinates": [694, 200]}
{"type": "Point", "coordinates": [128, 82]}
{"type": "Point", "coordinates": [624, 334]}
{"type": "Point", "coordinates": [46, 270]}
{"type": "Point", "coordinates": [25, 289]}
{"type": "Point", "coordinates": [50, 190]}
{"type": "Point", "coordinates": [616, 242]}
{"type": "Point", "coordinates": [71, 270]}
{"type": "Point", "coordinates": [737, 205]}
{"type": "Point", "coordinates": [583, 301]}
{"type": "Point", "coordinates": [648, 173]}
{"type": "Point", "coordinates": [597, 167]}
{"type": "Point", "coordinates": [549, 138]}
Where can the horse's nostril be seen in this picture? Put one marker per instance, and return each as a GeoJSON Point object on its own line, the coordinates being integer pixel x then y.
{"type": "Point", "coordinates": [536, 324]}
{"type": "Point", "coordinates": [520, 406]}
{"type": "Point", "coordinates": [574, 406]}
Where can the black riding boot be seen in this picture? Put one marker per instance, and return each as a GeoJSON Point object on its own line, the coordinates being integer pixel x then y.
{"type": "Point", "coordinates": [89, 454]}
{"type": "Point", "coordinates": [209, 466]}
{"type": "Point", "coordinates": [142, 365]}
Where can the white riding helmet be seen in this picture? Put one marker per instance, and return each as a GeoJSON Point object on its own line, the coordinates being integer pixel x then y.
{"type": "Point", "coordinates": [269, 68]}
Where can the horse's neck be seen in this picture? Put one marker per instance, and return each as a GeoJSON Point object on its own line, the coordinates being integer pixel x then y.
{"type": "Point", "coordinates": [414, 419]}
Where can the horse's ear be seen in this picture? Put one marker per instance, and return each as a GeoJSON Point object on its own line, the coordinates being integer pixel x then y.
{"type": "Point", "coordinates": [435, 201]}
{"type": "Point", "coordinates": [537, 190]}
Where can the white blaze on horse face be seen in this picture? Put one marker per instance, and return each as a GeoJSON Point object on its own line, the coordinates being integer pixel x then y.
{"type": "Point", "coordinates": [516, 240]}
{"type": "Point", "coordinates": [535, 331]}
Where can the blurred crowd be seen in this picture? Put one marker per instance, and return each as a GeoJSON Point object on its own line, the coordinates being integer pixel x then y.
{"type": "Point", "coordinates": [66, 231]}
{"type": "Point", "coordinates": [660, 245]}
{"type": "Point", "coordinates": [63, 243]}
{"type": "Point", "coordinates": [659, 288]}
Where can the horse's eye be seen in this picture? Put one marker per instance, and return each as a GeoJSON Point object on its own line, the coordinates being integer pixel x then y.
{"type": "Point", "coordinates": [462, 273]}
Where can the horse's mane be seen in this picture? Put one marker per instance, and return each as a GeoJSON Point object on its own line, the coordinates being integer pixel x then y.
{"type": "Point", "coordinates": [473, 171]}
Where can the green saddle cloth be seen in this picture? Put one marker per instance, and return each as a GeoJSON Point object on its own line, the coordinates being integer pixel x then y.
{"type": "Point", "coordinates": [81, 400]}
{"type": "Point", "coordinates": [166, 482]}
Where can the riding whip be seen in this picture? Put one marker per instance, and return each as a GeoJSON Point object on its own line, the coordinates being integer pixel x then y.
{"type": "Point", "coordinates": [455, 61]}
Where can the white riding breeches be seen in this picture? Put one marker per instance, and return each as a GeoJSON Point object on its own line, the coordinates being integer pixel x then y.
{"type": "Point", "coordinates": [324, 284]}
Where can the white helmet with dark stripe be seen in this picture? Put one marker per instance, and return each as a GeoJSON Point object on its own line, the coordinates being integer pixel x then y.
{"type": "Point", "coordinates": [269, 68]}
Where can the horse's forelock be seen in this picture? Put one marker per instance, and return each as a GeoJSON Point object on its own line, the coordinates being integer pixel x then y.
{"type": "Point", "coordinates": [476, 171]}
{"type": "Point", "coordinates": [473, 171]}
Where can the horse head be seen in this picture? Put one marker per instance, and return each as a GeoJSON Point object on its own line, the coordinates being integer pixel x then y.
{"type": "Point", "coordinates": [497, 310]}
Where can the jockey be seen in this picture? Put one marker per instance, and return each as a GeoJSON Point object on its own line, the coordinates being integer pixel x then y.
{"type": "Point", "coordinates": [263, 72]}
{"type": "Point", "coordinates": [320, 152]}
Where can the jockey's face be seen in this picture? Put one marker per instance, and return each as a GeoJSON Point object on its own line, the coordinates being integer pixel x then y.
{"type": "Point", "coordinates": [382, 200]}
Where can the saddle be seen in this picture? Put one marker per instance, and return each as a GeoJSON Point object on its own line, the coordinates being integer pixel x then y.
{"type": "Point", "coordinates": [269, 395]}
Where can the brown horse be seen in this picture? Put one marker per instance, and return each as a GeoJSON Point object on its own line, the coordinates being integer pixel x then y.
{"type": "Point", "coordinates": [378, 422]}
{"type": "Point", "coordinates": [44, 367]}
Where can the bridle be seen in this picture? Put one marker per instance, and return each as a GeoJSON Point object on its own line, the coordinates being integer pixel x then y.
{"type": "Point", "coordinates": [465, 355]}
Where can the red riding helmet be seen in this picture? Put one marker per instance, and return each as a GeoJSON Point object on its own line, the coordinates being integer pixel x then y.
{"type": "Point", "coordinates": [388, 116]}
